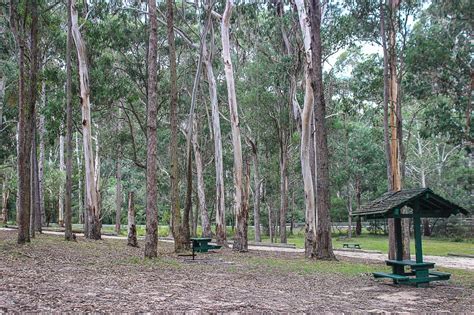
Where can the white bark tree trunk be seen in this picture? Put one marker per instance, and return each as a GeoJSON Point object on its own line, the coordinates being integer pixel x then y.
{"type": "Point", "coordinates": [92, 205]}
{"type": "Point", "coordinates": [80, 199]}
{"type": "Point", "coordinates": [97, 169]}
{"type": "Point", "coordinates": [240, 243]}
{"type": "Point", "coordinates": [206, 226]}
{"type": "Point", "coordinates": [306, 118]}
{"type": "Point", "coordinates": [219, 164]}
{"type": "Point", "coordinates": [118, 195]}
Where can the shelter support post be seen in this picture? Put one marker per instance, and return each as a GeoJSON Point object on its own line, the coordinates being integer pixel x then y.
{"type": "Point", "coordinates": [398, 269]}
{"type": "Point", "coordinates": [417, 231]}
{"type": "Point", "coordinates": [398, 235]}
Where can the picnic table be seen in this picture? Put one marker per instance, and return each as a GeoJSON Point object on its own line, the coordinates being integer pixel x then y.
{"type": "Point", "coordinates": [420, 271]}
{"type": "Point", "coordinates": [351, 245]}
{"type": "Point", "coordinates": [424, 203]}
{"type": "Point", "coordinates": [201, 245]}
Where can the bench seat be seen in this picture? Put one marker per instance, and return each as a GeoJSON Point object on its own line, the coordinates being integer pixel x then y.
{"type": "Point", "coordinates": [391, 276]}
{"type": "Point", "coordinates": [440, 275]}
{"type": "Point", "coordinates": [205, 248]}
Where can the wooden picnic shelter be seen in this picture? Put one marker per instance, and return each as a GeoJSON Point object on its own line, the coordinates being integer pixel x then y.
{"type": "Point", "coordinates": [415, 204]}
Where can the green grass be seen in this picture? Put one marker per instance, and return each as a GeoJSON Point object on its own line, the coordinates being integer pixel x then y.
{"type": "Point", "coordinates": [350, 269]}
{"type": "Point", "coordinates": [460, 276]}
{"type": "Point", "coordinates": [431, 246]}
{"type": "Point", "coordinates": [305, 266]}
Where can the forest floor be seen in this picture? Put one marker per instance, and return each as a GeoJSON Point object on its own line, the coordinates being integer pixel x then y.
{"type": "Point", "coordinates": [50, 274]}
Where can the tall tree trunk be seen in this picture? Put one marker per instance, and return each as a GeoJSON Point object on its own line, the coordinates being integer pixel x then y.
{"type": "Point", "coordinates": [92, 205]}
{"type": "Point", "coordinates": [151, 239]}
{"type": "Point", "coordinates": [61, 171]}
{"type": "Point", "coordinates": [386, 99]}
{"type": "Point", "coordinates": [256, 194]}
{"type": "Point", "coordinates": [219, 164]}
{"type": "Point", "coordinates": [132, 228]}
{"type": "Point", "coordinates": [80, 199]}
{"type": "Point", "coordinates": [5, 197]}
{"type": "Point", "coordinates": [323, 233]}
{"type": "Point", "coordinates": [42, 130]}
{"type": "Point", "coordinates": [306, 143]}
{"type": "Point", "coordinates": [2, 96]}
{"type": "Point", "coordinates": [195, 216]}
{"type": "Point", "coordinates": [35, 182]}
{"type": "Point", "coordinates": [97, 178]}
{"type": "Point", "coordinates": [348, 192]}
{"type": "Point", "coordinates": [242, 218]}
{"type": "Point", "coordinates": [174, 174]}
{"type": "Point", "coordinates": [395, 124]}
{"type": "Point", "coordinates": [69, 150]}
{"type": "Point", "coordinates": [270, 222]}
{"type": "Point", "coordinates": [283, 182]}
{"type": "Point", "coordinates": [26, 106]}
{"type": "Point", "coordinates": [323, 230]}
{"type": "Point", "coordinates": [118, 179]}
{"type": "Point", "coordinates": [201, 188]}
{"type": "Point", "coordinates": [118, 196]}
{"type": "Point", "coordinates": [240, 240]}
{"type": "Point", "coordinates": [32, 184]}
{"type": "Point", "coordinates": [358, 191]}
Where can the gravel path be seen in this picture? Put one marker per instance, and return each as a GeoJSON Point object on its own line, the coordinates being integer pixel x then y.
{"type": "Point", "coordinates": [443, 261]}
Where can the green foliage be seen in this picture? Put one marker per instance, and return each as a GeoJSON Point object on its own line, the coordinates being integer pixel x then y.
{"type": "Point", "coordinates": [434, 58]}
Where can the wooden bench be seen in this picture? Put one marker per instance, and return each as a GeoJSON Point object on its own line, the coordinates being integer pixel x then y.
{"type": "Point", "coordinates": [440, 275]}
{"type": "Point", "coordinates": [396, 278]}
{"type": "Point", "coordinates": [351, 245]}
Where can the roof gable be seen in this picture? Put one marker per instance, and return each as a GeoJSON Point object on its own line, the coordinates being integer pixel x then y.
{"type": "Point", "coordinates": [430, 204]}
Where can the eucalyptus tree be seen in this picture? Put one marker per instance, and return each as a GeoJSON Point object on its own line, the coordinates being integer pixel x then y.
{"type": "Point", "coordinates": [306, 116]}
{"type": "Point", "coordinates": [151, 240]}
{"type": "Point", "coordinates": [92, 205]}
{"type": "Point", "coordinates": [24, 26]}
{"type": "Point", "coordinates": [69, 149]}
{"type": "Point", "coordinates": [441, 36]}
{"type": "Point", "coordinates": [240, 239]}
{"type": "Point", "coordinates": [208, 54]}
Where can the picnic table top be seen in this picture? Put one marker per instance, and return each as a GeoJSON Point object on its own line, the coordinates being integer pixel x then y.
{"type": "Point", "coordinates": [201, 239]}
{"type": "Point", "coordinates": [409, 263]}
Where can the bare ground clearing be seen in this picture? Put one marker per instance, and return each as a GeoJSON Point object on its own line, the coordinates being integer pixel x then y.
{"type": "Point", "coordinates": [107, 276]}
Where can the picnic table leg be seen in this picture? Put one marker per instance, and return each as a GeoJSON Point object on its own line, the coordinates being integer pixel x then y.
{"type": "Point", "coordinates": [193, 252]}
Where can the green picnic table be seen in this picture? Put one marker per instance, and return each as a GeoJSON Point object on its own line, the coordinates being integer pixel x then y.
{"type": "Point", "coordinates": [201, 245]}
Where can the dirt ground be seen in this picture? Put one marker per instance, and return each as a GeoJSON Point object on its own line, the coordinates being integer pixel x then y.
{"type": "Point", "coordinates": [107, 276]}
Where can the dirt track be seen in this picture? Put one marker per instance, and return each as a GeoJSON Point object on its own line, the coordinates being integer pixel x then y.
{"type": "Point", "coordinates": [53, 275]}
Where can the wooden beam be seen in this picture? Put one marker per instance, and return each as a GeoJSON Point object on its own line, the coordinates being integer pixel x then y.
{"type": "Point", "coordinates": [417, 232]}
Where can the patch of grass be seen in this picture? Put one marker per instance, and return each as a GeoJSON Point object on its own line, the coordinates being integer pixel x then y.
{"type": "Point", "coordinates": [435, 247]}
{"type": "Point", "coordinates": [305, 266]}
{"type": "Point", "coordinates": [460, 276]}
{"type": "Point", "coordinates": [431, 246]}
